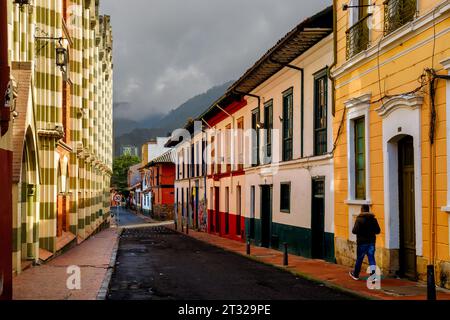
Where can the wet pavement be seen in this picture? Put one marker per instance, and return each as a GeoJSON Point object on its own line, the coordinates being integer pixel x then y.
{"type": "Point", "coordinates": [157, 263]}
{"type": "Point", "coordinates": [125, 217]}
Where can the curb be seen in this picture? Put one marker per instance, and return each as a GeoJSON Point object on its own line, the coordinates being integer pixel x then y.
{"type": "Point", "coordinates": [296, 273]}
{"type": "Point", "coordinates": [102, 293]}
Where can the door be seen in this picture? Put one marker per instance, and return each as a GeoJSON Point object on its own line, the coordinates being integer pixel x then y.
{"type": "Point", "coordinates": [217, 208]}
{"type": "Point", "coordinates": [266, 215]}
{"type": "Point", "coordinates": [318, 219]}
{"type": "Point", "coordinates": [407, 213]}
{"type": "Point", "coordinates": [227, 210]}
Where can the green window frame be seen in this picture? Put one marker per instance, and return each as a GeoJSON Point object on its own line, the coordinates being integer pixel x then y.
{"type": "Point", "coordinates": [288, 124]}
{"type": "Point", "coordinates": [268, 126]}
{"type": "Point", "coordinates": [321, 113]}
{"type": "Point", "coordinates": [360, 158]}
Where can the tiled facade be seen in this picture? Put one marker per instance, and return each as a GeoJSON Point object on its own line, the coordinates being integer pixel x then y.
{"type": "Point", "coordinates": [63, 154]}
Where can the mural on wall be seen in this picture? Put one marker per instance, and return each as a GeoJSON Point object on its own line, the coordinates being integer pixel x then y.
{"type": "Point", "coordinates": [202, 216]}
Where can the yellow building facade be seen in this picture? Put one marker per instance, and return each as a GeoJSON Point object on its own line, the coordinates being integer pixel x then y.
{"type": "Point", "coordinates": [391, 106]}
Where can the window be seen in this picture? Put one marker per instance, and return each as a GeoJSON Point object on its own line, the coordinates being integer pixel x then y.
{"type": "Point", "coordinates": [268, 126]}
{"type": "Point", "coordinates": [397, 13]}
{"type": "Point", "coordinates": [287, 125]}
{"type": "Point", "coordinates": [213, 155]}
{"type": "Point", "coordinates": [240, 160]}
{"type": "Point", "coordinates": [320, 113]}
{"type": "Point", "coordinates": [228, 148]}
{"type": "Point", "coordinates": [360, 159]}
{"type": "Point", "coordinates": [358, 34]}
{"type": "Point", "coordinates": [285, 197]}
{"type": "Point", "coordinates": [255, 139]}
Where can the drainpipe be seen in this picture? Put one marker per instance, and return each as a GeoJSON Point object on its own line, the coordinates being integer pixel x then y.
{"type": "Point", "coordinates": [333, 82]}
{"type": "Point", "coordinates": [302, 100]}
{"type": "Point", "coordinates": [5, 165]}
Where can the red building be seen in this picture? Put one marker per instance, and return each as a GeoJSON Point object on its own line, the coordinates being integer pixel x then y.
{"type": "Point", "coordinates": [226, 176]}
{"type": "Point", "coordinates": [5, 163]}
{"type": "Point", "coordinates": [162, 181]}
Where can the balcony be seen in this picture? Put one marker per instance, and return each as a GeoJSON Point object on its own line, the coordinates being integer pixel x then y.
{"type": "Point", "coordinates": [358, 37]}
{"type": "Point", "coordinates": [398, 13]}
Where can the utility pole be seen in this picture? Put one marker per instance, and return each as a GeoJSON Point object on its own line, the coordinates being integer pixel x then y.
{"type": "Point", "coordinates": [5, 163]}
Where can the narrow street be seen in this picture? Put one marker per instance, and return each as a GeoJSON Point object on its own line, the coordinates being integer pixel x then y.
{"type": "Point", "coordinates": [157, 263]}
{"type": "Point", "coordinates": [124, 217]}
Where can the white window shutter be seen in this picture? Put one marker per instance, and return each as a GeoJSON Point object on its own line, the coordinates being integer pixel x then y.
{"type": "Point", "coordinates": [353, 12]}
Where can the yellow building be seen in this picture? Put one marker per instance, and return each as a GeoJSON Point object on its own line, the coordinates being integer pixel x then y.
{"type": "Point", "coordinates": [391, 129]}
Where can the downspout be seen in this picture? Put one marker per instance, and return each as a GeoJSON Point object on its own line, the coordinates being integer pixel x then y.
{"type": "Point", "coordinates": [333, 82]}
{"type": "Point", "coordinates": [302, 101]}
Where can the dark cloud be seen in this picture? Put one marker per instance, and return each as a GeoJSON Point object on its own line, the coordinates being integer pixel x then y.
{"type": "Point", "coordinates": [166, 51]}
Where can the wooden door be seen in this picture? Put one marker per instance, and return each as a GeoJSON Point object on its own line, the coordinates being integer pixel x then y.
{"type": "Point", "coordinates": [406, 206]}
{"type": "Point", "coordinates": [318, 219]}
{"type": "Point", "coordinates": [266, 215]}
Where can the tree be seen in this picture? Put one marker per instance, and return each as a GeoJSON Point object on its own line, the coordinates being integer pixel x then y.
{"type": "Point", "coordinates": [120, 172]}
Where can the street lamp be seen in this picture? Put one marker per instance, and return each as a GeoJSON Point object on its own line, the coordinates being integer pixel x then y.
{"type": "Point", "coordinates": [61, 57]}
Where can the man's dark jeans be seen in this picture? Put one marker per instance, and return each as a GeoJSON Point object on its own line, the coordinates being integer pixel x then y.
{"type": "Point", "coordinates": [362, 251]}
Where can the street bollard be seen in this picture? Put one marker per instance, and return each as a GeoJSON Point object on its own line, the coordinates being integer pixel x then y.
{"type": "Point", "coordinates": [285, 256]}
{"type": "Point", "coordinates": [248, 247]}
{"type": "Point", "coordinates": [431, 285]}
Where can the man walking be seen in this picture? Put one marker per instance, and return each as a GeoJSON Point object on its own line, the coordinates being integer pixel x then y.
{"type": "Point", "coordinates": [366, 228]}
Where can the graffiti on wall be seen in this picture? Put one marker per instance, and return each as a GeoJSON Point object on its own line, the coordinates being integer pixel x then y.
{"type": "Point", "coordinates": [202, 216]}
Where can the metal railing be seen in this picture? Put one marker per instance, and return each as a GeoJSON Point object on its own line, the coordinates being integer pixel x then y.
{"type": "Point", "coordinates": [397, 13]}
{"type": "Point", "coordinates": [358, 37]}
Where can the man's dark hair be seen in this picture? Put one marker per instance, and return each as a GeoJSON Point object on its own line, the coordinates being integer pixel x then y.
{"type": "Point", "coordinates": [365, 208]}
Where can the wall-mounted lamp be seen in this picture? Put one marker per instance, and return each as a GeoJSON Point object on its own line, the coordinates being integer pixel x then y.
{"type": "Point", "coordinates": [62, 57]}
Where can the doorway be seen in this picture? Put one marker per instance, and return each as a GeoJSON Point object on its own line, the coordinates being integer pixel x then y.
{"type": "Point", "coordinates": [217, 208]}
{"type": "Point", "coordinates": [406, 198]}
{"type": "Point", "coordinates": [227, 210]}
{"type": "Point", "coordinates": [266, 215]}
{"type": "Point", "coordinates": [318, 219]}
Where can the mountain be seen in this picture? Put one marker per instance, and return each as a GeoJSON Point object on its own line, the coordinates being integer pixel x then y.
{"type": "Point", "coordinates": [193, 107]}
{"type": "Point", "coordinates": [136, 133]}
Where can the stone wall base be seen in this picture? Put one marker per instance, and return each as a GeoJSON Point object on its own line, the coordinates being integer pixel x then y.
{"type": "Point", "coordinates": [163, 212]}
{"type": "Point", "coordinates": [388, 262]}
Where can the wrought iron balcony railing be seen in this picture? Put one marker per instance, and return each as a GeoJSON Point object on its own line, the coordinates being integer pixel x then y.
{"type": "Point", "coordinates": [397, 13]}
{"type": "Point", "coordinates": [358, 37]}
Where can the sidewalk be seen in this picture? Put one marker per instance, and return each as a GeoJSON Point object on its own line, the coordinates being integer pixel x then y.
{"type": "Point", "coordinates": [48, 281]}
{"type": "Point", "coordinates": [332, 275]}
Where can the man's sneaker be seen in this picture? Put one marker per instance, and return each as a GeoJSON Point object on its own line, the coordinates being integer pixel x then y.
{"type": "Point", "coordinates": [353, 276]}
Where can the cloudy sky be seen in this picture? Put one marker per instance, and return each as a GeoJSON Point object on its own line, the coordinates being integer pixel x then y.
{"type": "Point", "coordinates": [167, 51]}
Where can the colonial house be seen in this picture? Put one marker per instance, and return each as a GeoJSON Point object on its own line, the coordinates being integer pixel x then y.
{"type": "Point", "coordinates": [134, 180]}
{"type": "Point", "coordinates": [60, 54]}
{"type": "Point", "coordinates": [392, 107]}
{"type": "Point", "coordinates": [161, 180]}
{"type": "Point", "coordinates": [190, 177]}
{"type": "Point", "coordinates": [150, 150]}
{"type": "Point", "coordinates": [269, 148]}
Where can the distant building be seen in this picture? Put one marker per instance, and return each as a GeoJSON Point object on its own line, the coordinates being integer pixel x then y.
{"type": "Point", "coordinates": [129, 150]}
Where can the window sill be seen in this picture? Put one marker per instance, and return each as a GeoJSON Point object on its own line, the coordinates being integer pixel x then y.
{"type": "Point", "coordinates": [285, 211]}
{"type": "Point", "coordinates": [357, 202]}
